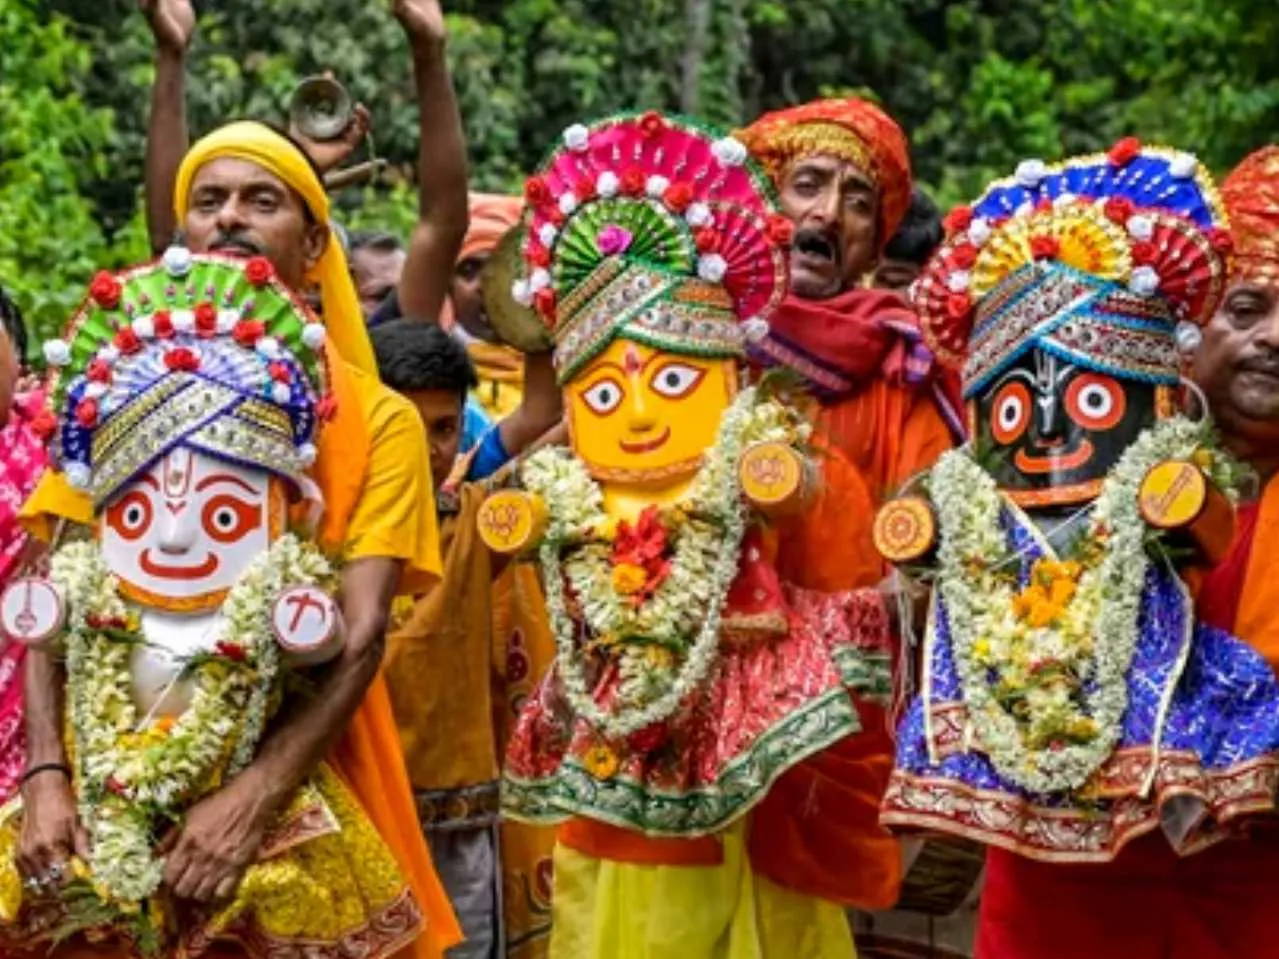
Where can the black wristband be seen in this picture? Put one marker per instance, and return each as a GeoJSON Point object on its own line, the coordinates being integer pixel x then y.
{"type": "Point", "coordinates": [45, 768]}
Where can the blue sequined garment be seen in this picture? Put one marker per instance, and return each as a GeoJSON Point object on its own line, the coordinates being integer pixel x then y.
{"type": "Point", "coordinates": [1217, 757]}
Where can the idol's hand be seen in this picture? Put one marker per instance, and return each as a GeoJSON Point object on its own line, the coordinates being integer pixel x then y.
{"type": "Point", "coordinates": [423, 20]}
{"type": "Point", "coordinates": [172, 24]}
{"type": "Point", "coordinates": [512, 521]}
{"type": "Point", "coordinates": [206, 855]}
{"type": "Point", "coordinates": [776, 480]}
{"type": "Point", "coordinates": [51, 831]}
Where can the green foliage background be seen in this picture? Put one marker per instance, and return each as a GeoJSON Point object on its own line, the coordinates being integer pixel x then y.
{"type": "Point", "coordinates": [978, 84]}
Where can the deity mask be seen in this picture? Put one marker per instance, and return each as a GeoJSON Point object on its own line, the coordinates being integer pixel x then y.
{"type": "Point", "coordinates": [180, 535]}
{"type": "Point", "coordinates": [1068, 297]}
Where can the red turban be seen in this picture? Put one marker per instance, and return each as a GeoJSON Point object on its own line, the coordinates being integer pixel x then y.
{"type": "Point", "coordinates": [491, 216]}
{"type": "Point", "coordinates": [852, 129]}
{"type": "Point", "coordinates": [1251, 194]}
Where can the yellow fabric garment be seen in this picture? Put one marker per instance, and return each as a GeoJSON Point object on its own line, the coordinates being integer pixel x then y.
{"type": "Point", "coordinates": [259, 144]}
{"type": "Point", "coordinates": [612, 910]}
{"type": "Point", "coordinates": [500, 370]}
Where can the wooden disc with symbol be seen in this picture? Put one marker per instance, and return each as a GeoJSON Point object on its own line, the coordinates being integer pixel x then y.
{"type": "Point", "coordinates": [32, 611]}
{"type": "Point", "coordinates": [1177, 495]}
{"type": "Point", "coordinates": [905, 529]}
{"type": "Point", "coordinates": [511, 521]}
{"type": "Point", "coordinates": [307, 624]}
{"type": "Point", "coordinates": [772, 476]}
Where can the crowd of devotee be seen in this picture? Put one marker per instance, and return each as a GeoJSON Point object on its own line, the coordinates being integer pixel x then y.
{"type": "Point", "coordinates": [714, 551]}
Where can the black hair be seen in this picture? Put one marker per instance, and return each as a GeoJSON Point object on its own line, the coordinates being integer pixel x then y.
{"type": "Point", "coordinates": [11, 318]}
{"type": "Point", "coordinates": [920, 231]}
{"type": "Point", "coordinates": [374, 240]}
{"type": "Point", "coordinates": [413, 356]}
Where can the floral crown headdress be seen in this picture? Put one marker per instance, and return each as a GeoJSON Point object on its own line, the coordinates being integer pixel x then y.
{"type": "Point", "coordinates": [204, 351]}
{"type": "Point", "coordinates": [1111, 262]}
{"type": "Point", "coordinates": [654, 228]}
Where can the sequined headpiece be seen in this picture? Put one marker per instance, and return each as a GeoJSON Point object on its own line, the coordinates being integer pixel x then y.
{"type": "Point", "coordinates": [206, 351]}
{"type": "Point", "coordinates": [651, 228]}
{"type": "Point", "coordinates": [1106, 261]}
{"type": "Point", "coordinates": [850, 129]}
{"type": "Point", "coordinates": [1251, 195]}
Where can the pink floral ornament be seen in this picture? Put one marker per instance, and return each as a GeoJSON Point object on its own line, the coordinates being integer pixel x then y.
{"type": "Point", "coordinates": [613, 240]}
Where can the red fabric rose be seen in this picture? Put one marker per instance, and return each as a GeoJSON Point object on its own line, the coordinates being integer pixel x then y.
{"type": "Point", "coordinates": [1119, 209]}
{"type": "Point", "coordinates": [544, 302]}
{"type": "Point", "coordinates": [781, 230]}
{"type": "Point", "coordinates": [679, 196]}
{"type": "Point", "coordinates": [555, 215]}
{"type": "Point", "coordinates": [232, 651]}
{"type": "Point", "coordinates": [1221, 241]}
{"type": "Point", "coordinates": [181, 359]}
{"type": "Point", "coordinates": [1044, 247]}
{"type": "Point", "coordinates": [649, 739]}
{"type": "Point", "coordinates": [44, 424]}
{"type": "Point", "coordinates": [1144, 253]}
{"type": "Point", "coordinates": [536, 192]}
{"type": "Point", "coordinates": [126, 341]}
{"type": "Point", "coordinates": [708, 241]}
{"type": "Point", "coordinates": [248, 332]}
{"type": "Point", "coordinates": [206, 319]}
{"type": "Point", "coordinates": [584, 191]}
{"type": "Point", "coordinates": [540, 256]}
{"type": "Point", "coordinates": [163, 325]}
{"type": "Point", "coordinates": [632, 182]}
{"type": "Point", "coordinates": [98, 371]}
{"type": "Point", "coordinates": [958, 220]}
{"type": "Point", "coordinates": [1124, 151]}
{"type": "Point", "coordinates": [326, 408]}
{"type": "Point", "coordinates": [258, 270]}
{"type": "Point", "coordinates": [279, 371]}
{"type": "Point", "coordinates": [964, 256]}
{"type": "Point", "coordinates": [959, 306]}
{"type": "Point", "coordinates": [651, 124]}
{"type": "Point", "coordinates": [105, 290]}
{"type": "Point", "coordinates": [86, 413]}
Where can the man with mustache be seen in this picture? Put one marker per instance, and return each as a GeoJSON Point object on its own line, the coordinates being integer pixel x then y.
{"type": "Point", "coordinates": [247, 189]}
{"type": "Point", "coordinates": [882, 414]}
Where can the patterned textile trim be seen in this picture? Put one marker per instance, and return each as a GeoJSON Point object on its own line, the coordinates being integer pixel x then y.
{"type": "Point", "coordinates": [1085, 835]}
{"type": "Point", "coordinates": [823, 380]}
{"type": "Point", "coordinates": [468, 807]}
{"type": "Point", "coordinates": [572, 791]}
{"type": "Point", "coordinates": [868, 675]}
{"type": "Point", "coordinates": [310, 819]}
{"type": "Point", "coordinates": [387, 933]}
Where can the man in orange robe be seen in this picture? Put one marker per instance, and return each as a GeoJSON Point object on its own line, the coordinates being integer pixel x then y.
{"type": "Point", "coordinates": [882, 414]}
{"type": "Point", "coordinates": [1148, 903]}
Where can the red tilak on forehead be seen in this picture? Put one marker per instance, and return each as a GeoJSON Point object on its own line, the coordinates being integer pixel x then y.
{"type": "Point", "coordinates": [632, 361]}
{"type": "Point", "coordinates": [177, 467]}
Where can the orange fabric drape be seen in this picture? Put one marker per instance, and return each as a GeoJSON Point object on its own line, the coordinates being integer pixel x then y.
{"type": "Point", "coordinates": [1258, 617]}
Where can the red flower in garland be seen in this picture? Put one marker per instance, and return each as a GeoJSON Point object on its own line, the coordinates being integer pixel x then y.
{"type": "Point", "coordinates": [232, 651]}
{"type": "Point", "coordinates": [98, 371]}
{"type": "Point", "coordinates": [248, 332]}
{"type": "Point", "coordinates": [105, 290]}
{"type": "Point", "coordinates": [44, 424]}
{"type": "Point", "coordinates": [536, 192]}
{"type": "Point", "coordinates": [958, 220]}
{"type": "Point", "coordinates": [959, 306]}
{"type": "Point", "coordinates": [126, 340]}
{"type": "Point", "coordinates": [632, 182]}
{"type": "Point", "coordinates": [206, 320]}
{"type": "Point", "coordinates": [258, 270]}
{"type": "Point", "coordinates": [584, 191]}
{"type": "Point", "coordinates": [707, 241]}
{"type": "Point", "coordinates": [1044, 247]}
{"type": "Point", "coordinates": [115, 786]}
{"type": "Point", "coordinates": [181, 360]}
{"type": "Point", "coordinates": [651, 124]}
{"type": "Point", "coordinates": [964, 256]}
{"type": "Point", "coordinates": [780, 229]}
{"type": "Point", "coordinates": [1119, 209]}
{"type": "Point", "coordinates": [163, 325]}
{"type": "Point", "coordinates": [643, 546]}
{"type": "Point", "coordinates": [1221, 241]}
{"type": "Point", "coordinates": [1124, 151]}
{"type": "Point", "coordinates": [86, 413]}
{"type": "Point", "coordinates": [678, 196]}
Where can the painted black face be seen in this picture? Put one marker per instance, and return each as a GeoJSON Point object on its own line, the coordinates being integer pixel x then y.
{"type": "Point", "coordinates": [1056, 428]}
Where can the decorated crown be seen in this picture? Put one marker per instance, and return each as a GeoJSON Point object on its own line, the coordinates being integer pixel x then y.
{"type": "Point", "coordinates": [1107, 261]}
{"type": "Point", "coordinates": [652, 227]}
{"type": "Point", "coordinates": [203, 351]}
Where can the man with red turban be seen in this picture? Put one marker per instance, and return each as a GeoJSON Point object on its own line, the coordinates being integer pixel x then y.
{"type": "Point", "coordinates": [883, 414]}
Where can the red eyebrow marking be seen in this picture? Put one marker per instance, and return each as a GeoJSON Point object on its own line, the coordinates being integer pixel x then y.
{"type": "Point", "coordinates": [150, 481]}
{"type": "Point", "coordinates": [223, 478]}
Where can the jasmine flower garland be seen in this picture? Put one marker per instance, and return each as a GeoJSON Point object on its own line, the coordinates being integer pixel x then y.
{"type": "Point", "coordinates": [1046, 701]}
{"type": "Point", "coordinates": [133, 780]}
{"type": "Point", "coordinates": [666, 645]}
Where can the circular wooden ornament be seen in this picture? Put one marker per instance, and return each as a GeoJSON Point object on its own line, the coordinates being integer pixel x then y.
{"type": "Point", "coordinates": [307, 624]}
{"type": "Point", "coordinates": [32, 611]}
{"type": "Point", "coordinates": [1173, 494]}
{"type": "Point", "coordinates": [772, 476]}
{"type": "Point", "coordinates": [511, 521]}
{"type": "Point", "coordinates": [905, 530]}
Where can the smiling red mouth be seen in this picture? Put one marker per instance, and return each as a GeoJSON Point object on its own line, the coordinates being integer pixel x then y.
{"type": "Point", "coordinates": [152, 568]}
{"type": "Point", "coordinates": [646, 446]}
{"type": "Point", "coordinates": [1056, 462]}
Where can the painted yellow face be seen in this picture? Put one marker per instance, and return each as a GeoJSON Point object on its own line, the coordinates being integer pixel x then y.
{"type": "Point", "coordinates": [642, 415]}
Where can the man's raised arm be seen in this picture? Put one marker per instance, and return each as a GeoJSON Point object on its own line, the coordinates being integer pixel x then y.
{"type": "Point", "coordinates": [172, 24]}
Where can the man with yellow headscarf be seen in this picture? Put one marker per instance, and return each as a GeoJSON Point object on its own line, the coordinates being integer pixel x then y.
{"type": "Point", "coordinates": [245, 188]}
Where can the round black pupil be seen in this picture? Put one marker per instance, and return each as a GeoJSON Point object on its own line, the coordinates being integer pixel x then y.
{"type": "Point", "coordinates": [672, 380]}
{"type": "Point", "coordinates": [224, 517]}
{"type": "Point", "coordinates": [1094, 399]}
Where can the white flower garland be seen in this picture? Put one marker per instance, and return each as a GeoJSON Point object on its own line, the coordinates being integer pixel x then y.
{"type": "Point", "coordinates": [131, 781]}
{"type": "Point", "coordinates": [682, 617]}
{"type": "Point", "coordinates": [1096, 636]}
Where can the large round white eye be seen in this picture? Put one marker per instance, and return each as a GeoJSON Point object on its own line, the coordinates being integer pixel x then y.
{"type": "Point", "coordinates": [1096, 401]}
{"type": "Point", "coordinates": [134, 517]}
{"type": "Point", "coordinates": [674, 380]}
{"type": "Point", "coordinates": [603, 397]}
{"type": "Point", "coordinates": [224, 519]}
{"type": "Point", "coordinates": [1011, 410]}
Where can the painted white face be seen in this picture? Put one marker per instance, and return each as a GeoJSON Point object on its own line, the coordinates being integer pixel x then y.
{"type": "Point", "coordinates": [180, 535]}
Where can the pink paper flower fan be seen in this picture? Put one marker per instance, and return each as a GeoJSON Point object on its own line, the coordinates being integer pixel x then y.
{"type": "Point", "coordinates": [755, 276]}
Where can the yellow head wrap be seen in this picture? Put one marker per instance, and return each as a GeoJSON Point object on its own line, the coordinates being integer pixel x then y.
{"type": "Point", "coordinates": [259, 144]}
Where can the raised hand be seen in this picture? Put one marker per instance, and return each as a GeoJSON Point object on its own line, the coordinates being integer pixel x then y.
{"type": "Point", "coordinates": [172, 23]}
{"type": "Point", "coordinates": [423, 20]}
{"type": "Point", "coordinates": [330, 154]}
